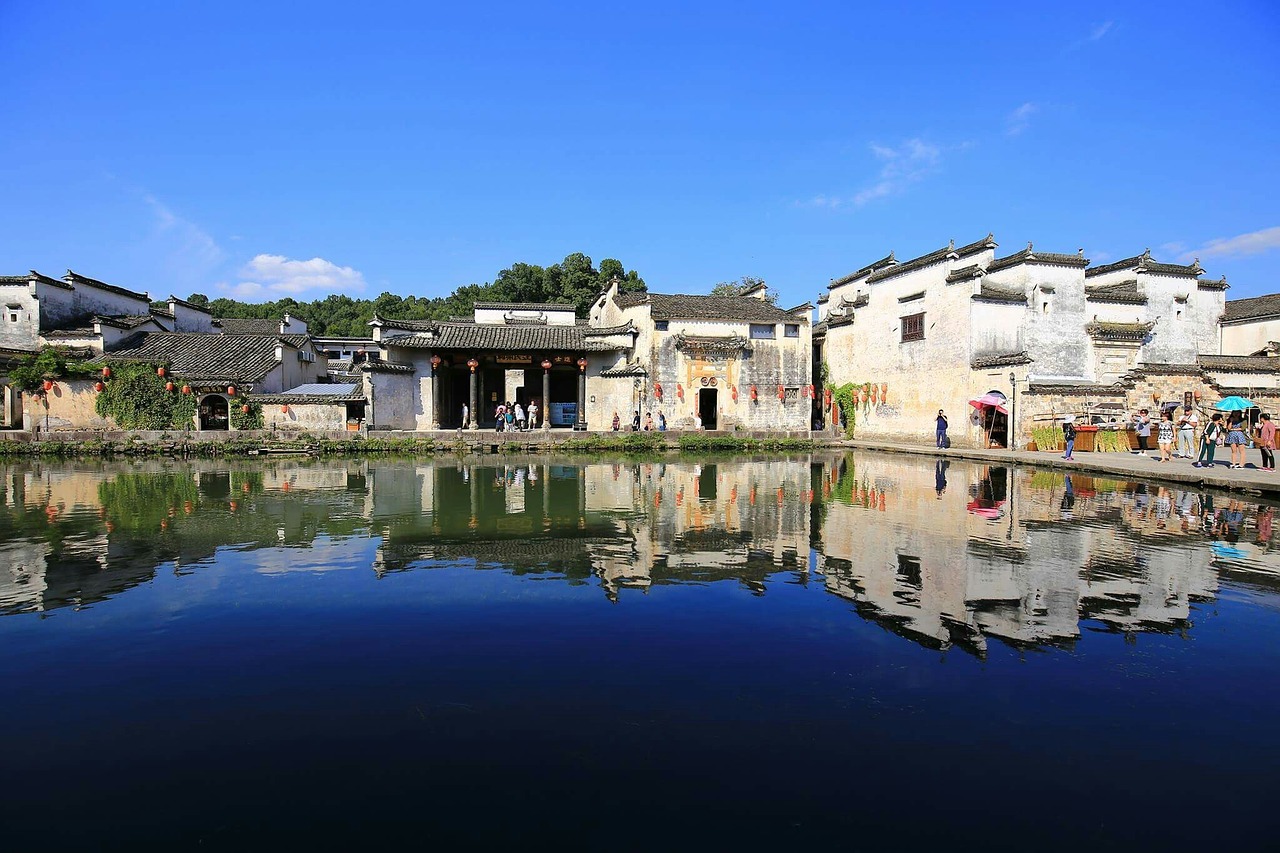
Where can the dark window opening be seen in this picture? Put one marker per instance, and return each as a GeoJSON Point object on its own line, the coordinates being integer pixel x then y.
{"type": "Point", "coordinates": [793, 330]}
{"type": "Point", "coordinates": [661, 325]}
{"type": "Point", "coordinates": [763, 331]}
{"type": "Point", "coordinates": [913, 327]}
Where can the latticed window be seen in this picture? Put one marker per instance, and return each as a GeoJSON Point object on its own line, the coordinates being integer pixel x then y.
{"type": "Point", "coordinates": [913, 327]}
{"type": "Point", "coordinates": [790, 396]}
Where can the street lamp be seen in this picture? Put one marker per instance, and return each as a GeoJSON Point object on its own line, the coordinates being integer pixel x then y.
{"type": "Point", "coordinates": [582, 394]}
{"type": "Point", "coordinates": [1013, 412]}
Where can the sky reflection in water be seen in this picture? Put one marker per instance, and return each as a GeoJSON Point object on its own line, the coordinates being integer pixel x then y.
{"type": "Point", "coordinates": [769, 651]}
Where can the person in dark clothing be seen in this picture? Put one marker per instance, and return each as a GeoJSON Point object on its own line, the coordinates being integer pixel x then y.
{"type": "Point", "coordinates": [940, 477]}
{"type": "Point", "coordinates": [1069, 437]}
{"type": "Point", "coordinates": [942, 430]}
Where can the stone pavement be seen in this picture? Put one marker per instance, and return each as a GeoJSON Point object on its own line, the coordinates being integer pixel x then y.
{"type": "Point", "coordinates": [1250, 479]}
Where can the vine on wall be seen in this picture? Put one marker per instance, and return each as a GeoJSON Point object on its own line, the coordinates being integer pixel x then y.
{"type": "Point", "coordinates": [135, 398]}
{"type": "Point", "coordinates": [252, 419]}
{"type": "Point", "coordinates": [49, 363]}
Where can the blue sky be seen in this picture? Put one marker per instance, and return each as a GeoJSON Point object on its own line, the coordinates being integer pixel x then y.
{"type": "Point", "coordinates": [262, 149]}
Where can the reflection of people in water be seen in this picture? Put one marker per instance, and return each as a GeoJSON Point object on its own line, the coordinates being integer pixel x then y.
{"type": "Point", "coordinates": [1266, 517]}
{"type": "Point", "coordinates": [940, 476]}
{"type": "Point", "coordinates": [1068, 501]}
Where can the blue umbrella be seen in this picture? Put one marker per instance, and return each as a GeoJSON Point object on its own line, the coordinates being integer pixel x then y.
{"type": "Point", "coordinates": [1235, 404]}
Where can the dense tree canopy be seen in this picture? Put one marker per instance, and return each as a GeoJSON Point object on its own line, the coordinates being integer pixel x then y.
{"type": "Point", "coordinates": [742, 285]}
{"type": "Point", "coordinates": [574, 281]}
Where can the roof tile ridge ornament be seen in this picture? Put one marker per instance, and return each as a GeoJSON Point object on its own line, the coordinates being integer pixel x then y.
{"type": "Point", "coordinates": [951, 250]}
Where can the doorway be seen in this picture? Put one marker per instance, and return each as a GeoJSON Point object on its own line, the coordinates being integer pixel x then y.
{"type": "Point", "coordinates": [707, 408]}
{"type": "Point", "coordinates": [213, 412]}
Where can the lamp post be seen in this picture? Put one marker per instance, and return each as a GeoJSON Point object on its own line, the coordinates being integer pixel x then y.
{"type": "Point", "coordinates": [582, 394]}
{"type": "Point", "coordinates": [435, 392]}
{"type": "Point", "coordinates": [546, 393]}
{"type": "Point", "coordinates": [473, 412]}
{"type": "Point", "coordinates": [1013, 412]}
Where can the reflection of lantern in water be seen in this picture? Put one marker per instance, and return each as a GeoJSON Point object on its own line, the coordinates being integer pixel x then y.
{"type": "Point", "coordinates": [882, 501]}
{"type": "Point", "coordinates": [751, 498]}
{"type": "Point", "coordinates": [657, 498]}
{"type": "Point", "coordinates": [234, 506]}
{"type": "Point", "coordinates": [779, 495]}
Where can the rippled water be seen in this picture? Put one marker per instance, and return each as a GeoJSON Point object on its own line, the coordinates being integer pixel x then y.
{"type": "Point", "coordinates": [866, 650]}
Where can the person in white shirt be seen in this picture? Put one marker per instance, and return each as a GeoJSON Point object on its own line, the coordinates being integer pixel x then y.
{"type": "Point", "coordinates": [519, 417]}
{"type": "Point", "coordinates": [533, 414]}
{"type": "Point", "coordinates": [1188, 425]}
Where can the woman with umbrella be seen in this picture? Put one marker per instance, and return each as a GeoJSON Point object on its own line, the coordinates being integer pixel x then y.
{"type": "Point", "coordinates": [1236, 438]}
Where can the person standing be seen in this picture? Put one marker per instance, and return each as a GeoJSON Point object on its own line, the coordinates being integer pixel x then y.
{"type": "Point", "coordinates": [533, 414]}
{"type": "Point", "coordinates": [1142, 426]}
{"type": "Point", "coordinates": [617, 422]}
{"type": "Point", "coordinates": [520, 421]}
{"type": "Point", "coordinates": [1069, 436]}
{"type": "Point", "coordinates": [1188, 423]}
{"type": "Point", "coordinates": [648, 422]}
{"type": "Point", "coordinates": [1209, 442]}
{"type": "Point", "coordinates": [941, 435]}
{"type": "Point", "coordinates": [1267, 442]}
{"type": "Point", "coordinates": [466, 416]}
{"type": "Point", "coordinates": [1236, 439]}
{"type": "Point", "coordinates": [1164, 436]}
{"type": "Point", "coordinates": [662, 422]}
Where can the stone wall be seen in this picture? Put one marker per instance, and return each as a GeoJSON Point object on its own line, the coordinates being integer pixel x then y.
{"type": "Point", "coordinates": [310, 417]}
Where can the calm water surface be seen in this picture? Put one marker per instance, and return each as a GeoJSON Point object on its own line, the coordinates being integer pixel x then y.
{"type": "Point", "coordinates": [877, 652]}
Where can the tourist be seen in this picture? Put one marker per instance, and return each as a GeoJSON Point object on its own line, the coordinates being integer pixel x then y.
{"type": "Point", "coordinates": [1236, 439]}
{"type": "Point", "coordinates": [662, 422]}
{"type": "Point", "coordinates": [1267, 442]}
{"type": "Point", "coordinates": [648, 422]}
{"type": "Point", "coordinates": [617, 422]}
{"type": "Point", "coordinates": [635, 420]}
{"type": "Point", "coordinates": [1069, 436]}
{"type": "Point", "coordinates": [1164, 436]}
{"type": "Point", "coordinates": [1209, 442]}
{"type": "Point", "coordinates": [533, 414]}
{"type": "Point", "coordinates": [520, 421]}
{"type": "Point", "coordinates": [1266, 518]}
{"type": "Point", "coordinates": [697, 421]}
{"type": "Point", "coordinates": [500, 418]}
{"type": "Point", "coordinates": [942, 430]}
{"type": "Point", "coordinates": [1142, 427]}
{"type": "Point", "coordinates": [1188, 423]}
{"type": "Point", "coordinates": [511, 418]}
{"type": "Point", "coordinates": [466, 416]}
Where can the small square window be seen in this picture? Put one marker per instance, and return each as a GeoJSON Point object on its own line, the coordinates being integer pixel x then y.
{"type": "Point", "coordinates": [661, 325]}
{"type": "Point", "coordinates": [793, 330]}
{"type": "Point", "coordinates": [763, 331]}
{"type": "Point", "coordinates": [13, 316]}
{"type": "Point", "coordinates": [913, 327]}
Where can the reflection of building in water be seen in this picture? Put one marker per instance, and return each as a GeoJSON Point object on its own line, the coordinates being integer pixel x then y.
{"type": "Point", "coordinates": [630, 524]}
{"type": "Point", "coordinates": [977, 552]}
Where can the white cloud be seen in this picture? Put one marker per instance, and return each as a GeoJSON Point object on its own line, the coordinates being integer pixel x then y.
{"type": "Point", "coordinates": [1253, 243]}
{"type": "Point", "coordinates": [185, 246]}
{"type": "Point", "coordinates": [900, 167]}
{"type": "Point", "coordinates": [275, 276]}
{"type": "Point", "coordinates": [1100, 30]}
{"type": "Point", "coordinates": [1174, 248]}
{"type": "Point", "coordinates": [1020, 119]}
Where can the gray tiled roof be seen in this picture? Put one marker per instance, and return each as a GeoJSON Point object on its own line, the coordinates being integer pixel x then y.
{"type": "Point", "coordinates": [522, 338]}
{"type": "Point", "coordinates": [524, 306]}
{"type": "Point", "coordinates": [377, 365]}
{"type": "Point", "coordinates": [1212, 283]}
{"type": "Point", "coordinates": [124, 321]}
{"type": "Point", "coordinates": [1240, 363]}
{"type": "Point", "coordinates": [989, 292]}
{"type": "Point", "coordinates": [404, 325]}
{"type": "Point", "coordinates": [1253, 307]}
{"type": "Point", "coordinates": [191, 355]}
{"type": "Point", "coordinates": [184, 303]}
{"type": "Point", "coordinates": [1145, 263]}
{"type": "Point", "coordinates": [75, 278]}
{"type": "Point", "coordinates": [633, 369]}
{"type": "Point", "coordinates": [887, 261]}
{"type": "Point", "coordinates": [1123, 292]}
{"type": "Point", "coordinates": [965, 273]}
{"type": "Point", "coordinates": [239, 326]}
{"type": "Point", "coordinates": [1031, 256]}
{"type": "Point", "coordinates": [670, 306]}
{"type": "Point", "coordinates": [1119, 331]}
{"type": "Point", "coordinates": [987, 242]}
{"type": "Point", "coordinates": [292, 399]}
{"type": "Point", "coordinates": [726, 343]}
{"type": "Point", "coordinates": [1006, 359]}
{"type": "Point", "coordinates": [934, 257]}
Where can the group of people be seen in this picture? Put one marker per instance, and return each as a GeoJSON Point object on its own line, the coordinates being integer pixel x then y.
{"type": "Point", "coordinates": [648, 426]}
{"type": "Point", "coordinates": [1181, 435]}
{"type": "Point", "coordinates": [511, 417]}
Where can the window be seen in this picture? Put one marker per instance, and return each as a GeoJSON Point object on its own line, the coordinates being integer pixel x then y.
{"type": "Point", "coordinates": [793, 330]}
{"type": "Point", "coordinates": [661, 325]}
{"type": "Point", "coordinates": [790, 396]}
{"type": "Point", "coordinates": [1045, 308]}
{"type": "Point", "coordinates": [913, 327]}
{"type": "Point", "coordinates": [763, 331]}
{"type": "Point", "coordinates": [13, 316]}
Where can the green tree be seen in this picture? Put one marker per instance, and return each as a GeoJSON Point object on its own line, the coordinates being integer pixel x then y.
{"type": "Point", "coordinates": [742, 285]}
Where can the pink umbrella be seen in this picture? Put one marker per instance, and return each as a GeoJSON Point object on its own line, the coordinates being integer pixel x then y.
{"type": "Point", "coordinates": [991, 399]}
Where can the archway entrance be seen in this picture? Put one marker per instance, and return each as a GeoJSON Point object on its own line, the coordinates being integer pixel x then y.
{"type": "Point", "coordinates": [214, 412]}
{"type": "Point", "coordinates": [707, 408]}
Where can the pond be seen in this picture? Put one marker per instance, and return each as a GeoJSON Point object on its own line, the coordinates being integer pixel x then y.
{"type": "Point", "coordinates": [867, 650]}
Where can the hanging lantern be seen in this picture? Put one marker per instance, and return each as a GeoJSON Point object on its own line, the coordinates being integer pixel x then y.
{"type": "Point", "coordinates": [186, 389]}
{"type": "Point", "coordinates": [679, 390]}
{"type": "Point", "coordinates": [812, 394]}
{"type": "Point", "coordinates": [733, 389]}
{"type": "Point", "coordinates": [546, 364]}
{"type": "Point", "coordinates": [657, 390]}
{"type": "Point", "coordinates": [245, 408]}
{"type": "Point", "coordinates": [231, 390]}
{"type": "Point", "coordinates": [168, 386]}
{"type": "Point", "coordinates": [582, 364]}
{"type": "Point", "coordinates": [884, 392]}
{"type": "Point", "coordinates": [1196, 394]}
{"type": "Point", "coordinates": [106, 373]}
{"type": "Point", "coordinates": [875, 393]}
{"type": "Point", "coordinates": [755, 394]}
{"type": "Point", "coordinates": [473, 364]}
{"type": "Point", "coordinates": [826, 398]}
{"type": "Point", "coordinates": [99, 387]}
{"type": "Point", "coordinates": [435, 362]}
{"type": "Point", "coordinates": [782, 393]}
{"type": "Point", "coordinates": [1155, 398]}
{"type": "Point", "coordinates": [160, 371]}
{"type": "Point", "coordinates": [284, 410]}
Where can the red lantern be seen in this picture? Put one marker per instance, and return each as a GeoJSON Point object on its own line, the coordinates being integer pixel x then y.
{"type": "Point", "coordinates": [812, 395]}
{"type": "Point", "coordinates": [245, 409]}
{"type": "Point", "coordinates": [435, 362]}
{"type": "Point", "coordinates": [733, 389]}
{"type": "Point", "coordinates": [755, 395]}
{"type": "Point", "coordinates": [782, 393]}
{"type": "Point", "coordinates": [473, 364]}
{"type": "Point", "coordinates": [48, 385]}
{"type": "Point", "coordinates": [168, 386]}
{"type": "Point", "coordinates": [186, 389]}
{"type": "Point", "coordinates": [826, 398]}
{"type": "Point", "coordinates": [106, 373]}
{"type": "Point", "coordinates": [884, 392]}
{"type": "Point", "coordinates": [546, 364]}
{"type": "Point", "coordinates": [284, 410]}
{"type": "Point", "coordinates": [159, 371]}
{"type": "Point", "coordinates": [231, 390]}
{"type": "Point", "coordinates": [98, 386]}
{"type": "Point", "coordinates": [657, 390]}
{"type": "Point", "coordinates": [582, 364]}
